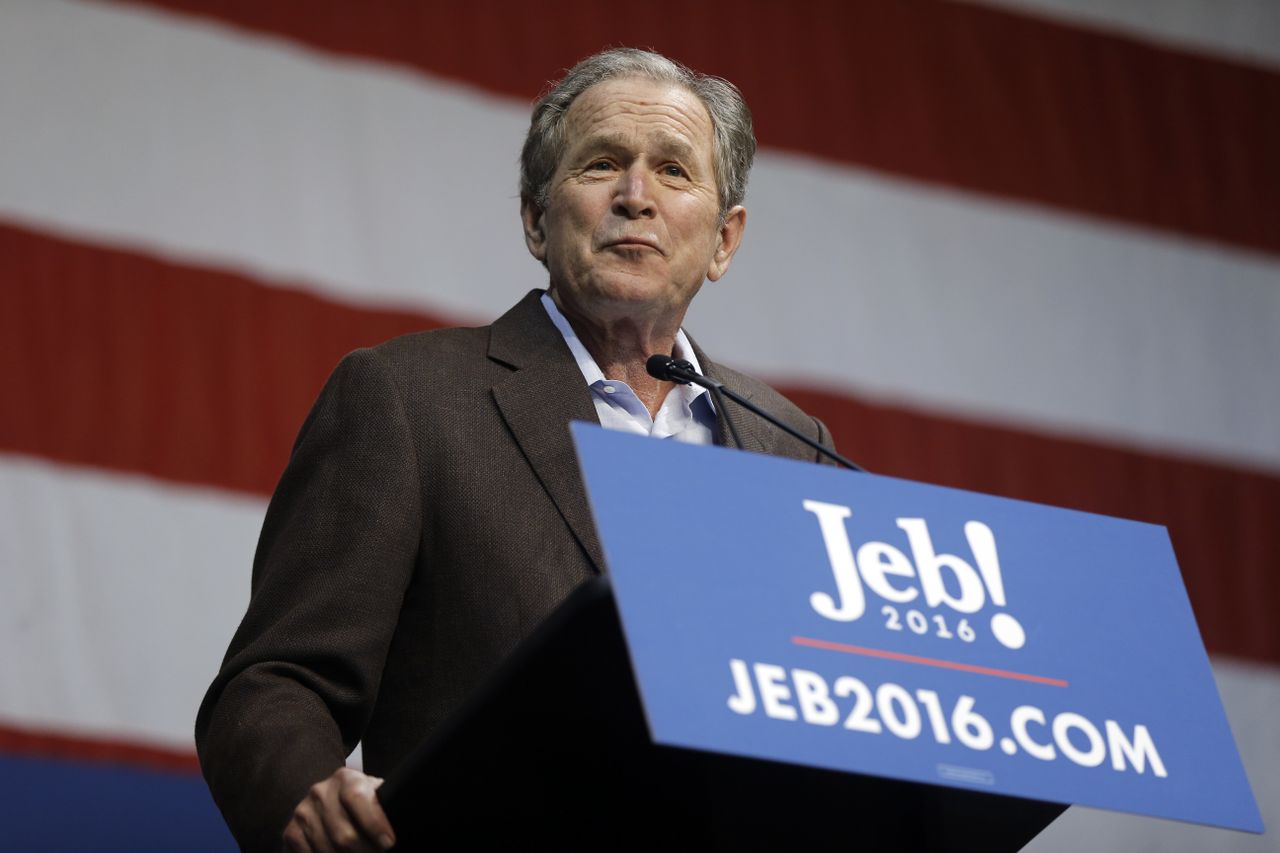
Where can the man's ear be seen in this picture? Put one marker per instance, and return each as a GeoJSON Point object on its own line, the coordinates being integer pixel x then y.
{"type": "Point", "coordinates": [534, 235]}
{"type": "Point", "coordinates": [730, 238]}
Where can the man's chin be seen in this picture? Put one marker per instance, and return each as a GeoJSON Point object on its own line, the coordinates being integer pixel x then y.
{"type": "Point", "coordinates": [638, 291]}
{"type": "Point", "coordinates": [620, 295]}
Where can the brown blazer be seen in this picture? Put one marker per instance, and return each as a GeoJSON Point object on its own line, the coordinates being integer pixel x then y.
{"type": "Point", "coordinates": [430, 516]}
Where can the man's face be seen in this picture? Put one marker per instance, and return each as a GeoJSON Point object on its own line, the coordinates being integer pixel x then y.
{"type": "Point", "coordinates": [632, 225]}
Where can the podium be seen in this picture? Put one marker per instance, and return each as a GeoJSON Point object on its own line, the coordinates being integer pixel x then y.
{"type": "Point", "coordinates": [822, 659]}
{"type": "Point", "coordinates": [554, 750]}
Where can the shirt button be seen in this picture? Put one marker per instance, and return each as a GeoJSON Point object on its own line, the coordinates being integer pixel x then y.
{"type": "Point", "coordinates": [609, 389]}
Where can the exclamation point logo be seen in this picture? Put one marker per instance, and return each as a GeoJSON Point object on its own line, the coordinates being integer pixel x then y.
{"type": "Point", "coordinates": [1006, 629]}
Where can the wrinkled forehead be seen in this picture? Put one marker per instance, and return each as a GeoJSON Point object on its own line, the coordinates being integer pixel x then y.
{"type": "Point", "coordinates": [626, 107]}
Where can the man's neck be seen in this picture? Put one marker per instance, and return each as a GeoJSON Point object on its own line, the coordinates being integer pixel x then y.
{"type": "Point", "coordinates": [621, 347]}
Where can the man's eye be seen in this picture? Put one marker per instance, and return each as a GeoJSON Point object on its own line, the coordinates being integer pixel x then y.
{"type": "Point", "coordinates": [600, 166]}
{"type": "Point", "coordinates": [671, 170]}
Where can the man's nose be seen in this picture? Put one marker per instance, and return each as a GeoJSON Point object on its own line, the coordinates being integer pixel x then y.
{"type": "Point", "coordinates": [634, 196]}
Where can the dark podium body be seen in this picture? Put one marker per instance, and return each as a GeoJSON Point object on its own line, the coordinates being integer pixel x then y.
{"type": "Point", "coordinates": [555, 751]}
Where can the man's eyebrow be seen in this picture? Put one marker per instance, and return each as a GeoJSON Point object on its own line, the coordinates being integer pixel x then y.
{"type": "Point", "coordinates": [669, 144]}
{"type": "Point", "coordinates": [676, 146]}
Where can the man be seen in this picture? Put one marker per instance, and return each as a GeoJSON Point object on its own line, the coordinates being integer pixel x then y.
{"type": "Point", "coordinates": [432, 511]}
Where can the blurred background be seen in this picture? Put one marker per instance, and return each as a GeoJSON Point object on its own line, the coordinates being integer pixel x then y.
{"type": "Point", "coordinates": [1028, 247]}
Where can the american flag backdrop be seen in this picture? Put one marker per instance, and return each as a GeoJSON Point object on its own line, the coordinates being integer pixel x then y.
{"type": "Point", "coordinates": [1027, 247]}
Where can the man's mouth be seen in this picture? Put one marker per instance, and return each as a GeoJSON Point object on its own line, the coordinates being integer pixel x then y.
{"type": "Point", "coordinates": [634, 243]}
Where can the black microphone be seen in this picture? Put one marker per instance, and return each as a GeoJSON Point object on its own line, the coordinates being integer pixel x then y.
{"type": "Point", "coordinates": [676, 370]}
{"type": "Point", "coordinates": [670, 369]}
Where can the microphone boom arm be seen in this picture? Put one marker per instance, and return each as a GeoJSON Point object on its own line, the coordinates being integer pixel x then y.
{"type": "Point", "coordinates": [681, 371]}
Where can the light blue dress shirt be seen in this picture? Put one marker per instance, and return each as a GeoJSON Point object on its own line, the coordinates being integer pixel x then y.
{"type": "Point", "coordinates": [687, 413]}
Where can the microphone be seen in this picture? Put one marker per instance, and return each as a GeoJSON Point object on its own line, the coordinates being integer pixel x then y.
{"type": "Point", "coordinates": [677, 370]}
{"type": "Point", "coordinates": [680, 371]}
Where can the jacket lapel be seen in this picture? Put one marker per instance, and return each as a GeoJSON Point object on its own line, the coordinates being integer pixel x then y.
{"type": "Point", "coordinates": [749, 425]}
{"type": "Point", "coordinates": [542, 394]}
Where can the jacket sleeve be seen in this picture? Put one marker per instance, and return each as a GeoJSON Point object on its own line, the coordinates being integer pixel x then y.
{"type": "Point", "coordinates": [337, 551]}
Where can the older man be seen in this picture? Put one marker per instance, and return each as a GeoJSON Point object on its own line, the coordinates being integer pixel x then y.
{"type": "Point", "coordinates": [432, 511]}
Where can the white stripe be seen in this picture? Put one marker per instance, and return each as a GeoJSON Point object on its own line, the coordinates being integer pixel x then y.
{"type": "Point", "coordinates": [377, 186]}
{"type": "Point", "coordinates": [1242, 29]}
{"type": "Point", "coordinates": [359, 180]}
{"type": "Point", "coordinates": [118, 597]}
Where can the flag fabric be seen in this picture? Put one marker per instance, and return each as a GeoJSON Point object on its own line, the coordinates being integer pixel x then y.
{"type": "Point", "coordinates": [1027, 247]}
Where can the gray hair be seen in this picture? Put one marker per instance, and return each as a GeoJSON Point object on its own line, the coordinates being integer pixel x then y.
{"type": "Point", "coordinates": [735, 143]}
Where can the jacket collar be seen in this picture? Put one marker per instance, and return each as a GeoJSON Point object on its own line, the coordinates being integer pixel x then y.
{"type": "Point", "coordinates": [545, 391]}
{"type": "Point", "coordinates": [537, 400]}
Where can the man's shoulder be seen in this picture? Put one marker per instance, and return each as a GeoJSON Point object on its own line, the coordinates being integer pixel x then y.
{"type": "Point", "coordinates": [466, 342]}
{"type": "Point", "coordinates": [461, 348]}
{"type": "Point", "coordinates": [432, 351]}
{"type": "Point", "coordinates": [451, 359]}
{"type": "Point", "coordinates": [433, 364]}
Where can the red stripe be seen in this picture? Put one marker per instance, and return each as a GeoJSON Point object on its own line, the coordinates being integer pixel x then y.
{"type": "Point", "coordinates": [113, 359]}
{"type": "Point", "coordinates": [43, 744]}
{"type": "Point", "coordinates": [952, 93]}
{"type": "Point", "coordinates": [923, 661]}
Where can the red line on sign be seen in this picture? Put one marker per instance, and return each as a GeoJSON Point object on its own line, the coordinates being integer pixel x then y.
{"type": "Point", "coordinates": [944, 664]}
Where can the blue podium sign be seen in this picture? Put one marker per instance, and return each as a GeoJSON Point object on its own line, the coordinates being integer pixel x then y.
{"type": "Point", "coordinates": [811, 615]}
